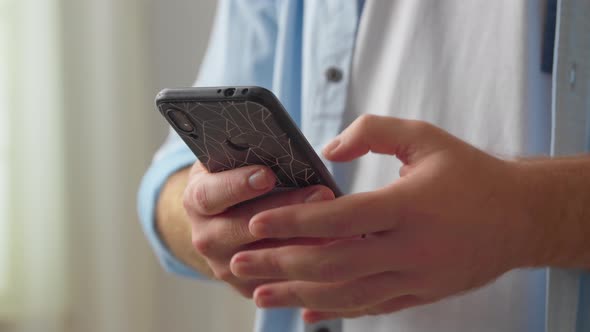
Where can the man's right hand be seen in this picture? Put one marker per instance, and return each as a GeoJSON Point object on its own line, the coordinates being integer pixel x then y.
{"type": "Point", "coordinates": [218, 208]}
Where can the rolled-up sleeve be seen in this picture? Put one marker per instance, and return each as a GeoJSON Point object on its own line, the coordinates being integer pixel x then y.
{"type": "Point", "coordinates": [172, 157]}
{"type": "Point", "coordinates": [241, 52]}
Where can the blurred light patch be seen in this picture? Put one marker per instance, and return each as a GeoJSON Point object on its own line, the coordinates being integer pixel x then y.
{"type": "Point", "coordinates": [6, 9]}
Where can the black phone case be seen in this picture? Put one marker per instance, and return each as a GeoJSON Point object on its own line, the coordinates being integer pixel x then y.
{"type": "Point", "coordinates": [248, 127]}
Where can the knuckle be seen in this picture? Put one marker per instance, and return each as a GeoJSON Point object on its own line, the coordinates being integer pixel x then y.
{"type": "Point", "coordinates": [365, 121]}
{"type": "Point", "coordinates": [231, 189]}
{"type": "Point", "coordinates": [275, 264]}
{"type": "Point", "coordinates": [356, 298]}
{"type": "Point", "coordinates": [200, 199]}
{"type": "Point", "coordinates": [301, 299]}
{"type": "Point", "coordinates": [203, 245]}
{"type": "Point", "coordinates": [419, 127]}
{"type": "Point", "coordinates": [329, 271]}
{"type": "Point", "coordinates": [224, 274]}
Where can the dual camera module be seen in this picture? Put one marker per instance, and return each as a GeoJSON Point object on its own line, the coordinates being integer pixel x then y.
{"type": "Point", "coordinates": [181, 121]}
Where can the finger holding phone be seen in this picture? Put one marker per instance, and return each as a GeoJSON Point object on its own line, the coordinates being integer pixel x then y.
{"type": "Point", "coordinates": [247, 147]}
{"type": "Point", "coordinates": [219, 207]}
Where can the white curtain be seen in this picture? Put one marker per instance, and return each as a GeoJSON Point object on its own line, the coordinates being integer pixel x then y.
{"type": "Point", "coordinates": [113, 51]}
{"type": "Point", "coordinates": [78, 92]}
{"type": "Point", "coordinates": [82, 129]}
{"type": "Point", "coordinates": [34, 243]}
{"type": "Point", "coordinates": [108, 101]}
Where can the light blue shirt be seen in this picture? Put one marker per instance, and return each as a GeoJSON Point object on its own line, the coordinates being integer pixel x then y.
{"type": "Point", "coordinates": [262, 43]}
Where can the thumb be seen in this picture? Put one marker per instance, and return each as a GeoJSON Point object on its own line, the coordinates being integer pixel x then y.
{"type": "Point", "coordinates": [408, 140]}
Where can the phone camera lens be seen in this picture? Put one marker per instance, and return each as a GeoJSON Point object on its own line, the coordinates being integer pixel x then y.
{"type": "Point", "coordinates": [229, 92]}
{"type": "Point", "coordinates": [181, 121]}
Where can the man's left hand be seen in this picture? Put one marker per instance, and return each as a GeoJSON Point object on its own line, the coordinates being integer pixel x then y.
{"type": "Point", "coordinates": [452, 222]}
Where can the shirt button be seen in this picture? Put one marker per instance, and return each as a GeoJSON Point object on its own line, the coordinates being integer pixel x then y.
{"type": "Point", "coordinates": [322, 329]}
{"type": "Point", "coordinates": [333, 74]}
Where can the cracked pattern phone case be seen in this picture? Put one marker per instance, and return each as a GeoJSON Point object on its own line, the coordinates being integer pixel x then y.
{"type": "Point", "coordinates": [231, 134]}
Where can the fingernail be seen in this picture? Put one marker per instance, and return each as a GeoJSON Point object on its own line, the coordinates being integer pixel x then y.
{"type": "Point", "coordinates": [328, 149]}
{"type": "Point", "coordinates": [264, 298]}
{"type": "Point", "coordinates": [242, 259]}
{"type": "Point", "coordinates": [311, 317]}
{"type": "Point", "coordinates": [260, 180]}
{"type": "Point", "coordinates": [317, 196]}
{"type": "Point", "coordinates": [240, 264]}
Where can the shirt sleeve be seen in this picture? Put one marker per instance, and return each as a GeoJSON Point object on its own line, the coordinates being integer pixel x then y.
{"type": "Point", "coordinates": [241, 51]}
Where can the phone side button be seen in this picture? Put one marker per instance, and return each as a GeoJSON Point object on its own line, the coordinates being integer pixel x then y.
{"type": "Point", "coordinates": [237, 144]}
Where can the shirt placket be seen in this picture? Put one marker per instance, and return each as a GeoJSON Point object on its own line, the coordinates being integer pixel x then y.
{"type": "Point", "coordinates": [330, 33]}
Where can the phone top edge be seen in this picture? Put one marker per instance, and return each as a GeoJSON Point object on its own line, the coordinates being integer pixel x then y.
{"type": "Point", "coordinates": [211, 93]}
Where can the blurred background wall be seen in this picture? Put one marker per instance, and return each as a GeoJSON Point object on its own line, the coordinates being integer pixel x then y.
{"type": "Point", "coordinates": [77, 131]}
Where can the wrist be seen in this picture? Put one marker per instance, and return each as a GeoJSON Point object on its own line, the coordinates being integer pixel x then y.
{"type": "Point", "coordinates": [173, 224]}
{"type": "Point", "coordinates": [554, 199]}
{"type": "Point", "coordinates": [523, 240]}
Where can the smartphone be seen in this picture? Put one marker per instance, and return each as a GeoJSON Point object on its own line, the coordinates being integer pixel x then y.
{"type": "Point", "coordinates": [231, 127]}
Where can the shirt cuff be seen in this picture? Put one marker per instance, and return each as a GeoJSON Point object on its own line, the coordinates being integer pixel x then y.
{"type": "Point", "coordinates": [148, 194]}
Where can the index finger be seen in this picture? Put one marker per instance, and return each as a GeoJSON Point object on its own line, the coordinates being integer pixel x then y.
{"type": "Point", "coordinates": [350, 215]}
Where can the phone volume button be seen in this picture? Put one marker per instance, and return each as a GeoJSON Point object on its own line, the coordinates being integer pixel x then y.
{"type": "Point", "coordinates": [237, 144]}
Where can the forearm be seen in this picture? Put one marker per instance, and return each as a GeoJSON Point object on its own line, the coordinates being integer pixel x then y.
{"type": "Point", "coordinates": [173, 225]}
{"type": "Point", "coordinates": [558, 200]}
